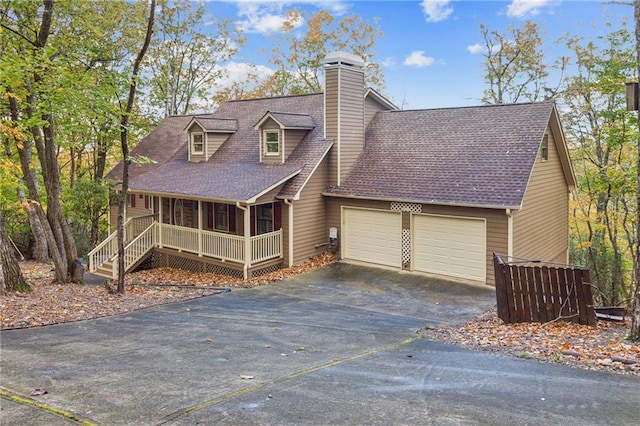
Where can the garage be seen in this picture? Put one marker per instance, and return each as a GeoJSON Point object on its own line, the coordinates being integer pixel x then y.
{"type": "Point", "coordinates": [451, 246]}
{"type": "Point", "coordinates": [372, 236]}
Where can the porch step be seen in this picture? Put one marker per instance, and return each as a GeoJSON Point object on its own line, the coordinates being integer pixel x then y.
{"type": "Point", "coordinates": [105, 270]}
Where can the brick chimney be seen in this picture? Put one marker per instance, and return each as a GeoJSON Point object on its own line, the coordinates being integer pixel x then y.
{"type": "Point", "coordinates": [344, 90]}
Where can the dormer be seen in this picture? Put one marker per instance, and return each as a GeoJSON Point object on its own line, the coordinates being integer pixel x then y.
{"type": "Point", "coordinates": [280, 133]}
{"type": "Point", "coordinates": [207, 134]}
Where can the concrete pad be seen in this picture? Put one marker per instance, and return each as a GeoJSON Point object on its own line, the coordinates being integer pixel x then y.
{"type": "Point", "coordinates": [337, 345]}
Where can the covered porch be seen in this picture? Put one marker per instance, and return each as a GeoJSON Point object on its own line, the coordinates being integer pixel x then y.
{"type": "Point", "coordinates": [219, 237]}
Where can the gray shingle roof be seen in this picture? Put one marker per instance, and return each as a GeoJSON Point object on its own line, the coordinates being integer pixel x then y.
{"type": "Point", "coordinates": [159, 145]}
{"type": "Point", "coordinates": [210, 124]}
{"type": "Point", "coordinates": [479, 156]}
{"type": "Point", "coordinates": [233, 172]}
{"type": "Point", "coordinates": [300, 121]}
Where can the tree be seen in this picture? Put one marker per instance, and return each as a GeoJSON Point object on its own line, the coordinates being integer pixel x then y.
{"type": "Point", "coordinates": [634, 333]}
{"type": "Point", "coordinates": [184, 62]}
{"type": "Point", "coordinates": [299, 60]}
{"type": "Point", "coordinates": [515, 68]}
{"type": "Point", "coordinates": [11, 278]}
{"type": "Point", "coordinates": [124, 144]}
{"type": "Point", "coordinates": [84, 69]}
{"type": "Point", "coordinates": [30, 27]}
{"type": "Point", "coordinates": [600, 130]}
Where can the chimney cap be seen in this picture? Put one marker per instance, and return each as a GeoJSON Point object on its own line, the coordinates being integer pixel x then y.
{"type": "Point", "coordinates": [343, 58]}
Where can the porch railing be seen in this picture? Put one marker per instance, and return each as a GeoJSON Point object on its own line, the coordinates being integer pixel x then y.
{"type": "Point", "coordinates": [223, 246]}
{"type": "Point", "coordinates": [266, 246]}
{"type": "Point", "coordinates": [137, 248]}
{"type": "Point", "coordinates": [218, 245]}
{"type": "Point", "coordinates": [108, 248]}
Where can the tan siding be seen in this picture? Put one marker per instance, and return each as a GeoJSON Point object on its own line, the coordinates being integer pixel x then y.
{"type": "Point", "coordinates": [309, 217]}
{"type": "Point", "coordinates": [371, 107]}
{"type": "Point", "coordinates": [541, 227]}
{"type": "Point", "coordinates": [351, 117]}
{"type": "Point", "coordinates": [496, 222]}
{"type": "Point", "coordinates": [269, 196]}
{"type": "Point", "coordinates": [213, 141]}
{"type": "Point", "coordinates": [291, 140]}
{"type": "Point", "coordinates": [331, 119]}
{"type": "Point", "coordinates": [113, 217]}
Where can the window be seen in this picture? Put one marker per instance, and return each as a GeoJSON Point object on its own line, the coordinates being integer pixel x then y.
{"type": "Point", "coordinates": [544, 148]}
{"type": "Point", "coordinates": [197, 143]}
{"type": "Point", "coordinates": [271, 142]}
{"type": "Point", "coordinates": [264, 218]}
{"type": "Point", "coordinates": [221, 217]}
{"type": "Point", "coordinates": [131, 200]}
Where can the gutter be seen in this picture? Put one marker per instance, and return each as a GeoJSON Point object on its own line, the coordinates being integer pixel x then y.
{"type": "Point", "coordinates": [432, 203]}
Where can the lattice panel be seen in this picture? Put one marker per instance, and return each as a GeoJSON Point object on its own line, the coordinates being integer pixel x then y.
{"type": "Point", "coordinates": [406, 246]}
{"type": "Point", "coordinates": [221, 270]}
{"type": "Point", "coordinates": [406, 207]}
{"type": "Point", "coordinates": [265, 270]}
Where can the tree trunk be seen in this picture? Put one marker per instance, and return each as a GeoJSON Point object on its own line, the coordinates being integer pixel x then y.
{"type": "Point", "coordinates": [124, 145]}
{"type": "Point", "coordinates": [634, 333]}
{"type": "Point", "coordinates": [11, 278]}
{"type": "Point", "coordinates": [40, 251]}
{"type": "Point", "coordinates": [25, 149]}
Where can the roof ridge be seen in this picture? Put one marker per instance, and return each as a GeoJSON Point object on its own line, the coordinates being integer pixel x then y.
{"type": "Point", "coordinates": [272, 97]}
{"type": "Point", "coordinates": [473, 106]}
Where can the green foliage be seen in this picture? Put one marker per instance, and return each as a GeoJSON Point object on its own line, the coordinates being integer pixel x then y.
{"type": "Point", "coordinates": [86, 206]}
{"type": "Point", "coordinates": [298, 59]}
{"type": "Point", "coordinates": [184, 61]}
{"type": "Point", "coordinates": [603, 138]}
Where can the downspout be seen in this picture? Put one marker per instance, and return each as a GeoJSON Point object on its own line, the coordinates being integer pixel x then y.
{"type": "Point", "coordinates": [290, 239]}
{"type": "Point", "coordinates": [509, 233]}
{"type": "Point", "coordinates": [160, 220]}
{"type": "Point", "coordinates": [247, 239]}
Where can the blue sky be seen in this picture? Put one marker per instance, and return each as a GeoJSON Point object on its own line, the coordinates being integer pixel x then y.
{"type": "Point", "coordinates": [431, 50]}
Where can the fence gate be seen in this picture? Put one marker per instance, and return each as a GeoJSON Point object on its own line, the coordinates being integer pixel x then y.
{"type": "Point", "coordinates": [531, 291]}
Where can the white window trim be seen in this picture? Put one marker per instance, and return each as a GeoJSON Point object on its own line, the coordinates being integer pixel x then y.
{"type": "Point", "coordinates": [266, 152]}
{"type": "Point", "coordinates": [193, 150]}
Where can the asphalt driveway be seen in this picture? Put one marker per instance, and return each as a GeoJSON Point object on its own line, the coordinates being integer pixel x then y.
{"type": "Point", "coordinates": [335, 346]}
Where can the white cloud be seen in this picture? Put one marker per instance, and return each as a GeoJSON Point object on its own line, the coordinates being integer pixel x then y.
{"type": "Point", "coordinates": [523, 8]}
{"type": "Point", "coordinates": [389, 62]}
{"type": "Point", "coordinates": [436, 10]}
{"type": "Point", "coordinates": [418, 59]}
{"type": "Point", "coordinates": [477, 48]}
{"type": "Point", "coordinates": [239, 72]}
{"type": "Point", "coordinates": [267, 16]}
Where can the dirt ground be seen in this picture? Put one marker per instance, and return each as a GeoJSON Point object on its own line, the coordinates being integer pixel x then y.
{"type": "Point", "coordinates": [596, 348]}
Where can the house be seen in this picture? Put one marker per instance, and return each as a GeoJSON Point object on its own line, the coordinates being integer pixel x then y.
{"type": "Point", "coordinates": [265, 183]}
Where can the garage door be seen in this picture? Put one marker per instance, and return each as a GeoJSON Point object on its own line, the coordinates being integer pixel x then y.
{"type": "Point", "coordinates": [451, 246]}
{"type": "Point", "coordinates": [372, 236]}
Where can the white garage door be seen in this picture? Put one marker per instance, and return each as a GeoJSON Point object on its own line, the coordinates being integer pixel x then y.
{"type": "Point", "coordinates": [451, 246]}
{"type": "Point", "coordinates": [372, 236]}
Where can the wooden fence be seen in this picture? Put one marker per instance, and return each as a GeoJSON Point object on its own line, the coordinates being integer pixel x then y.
{"type": "Point", "coordinates": [535, 292]}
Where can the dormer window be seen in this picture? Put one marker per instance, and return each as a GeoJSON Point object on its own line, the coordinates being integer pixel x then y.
{"type": "Point", "coordinates": [271, 142]}
{"type": "Point", "coordinates": [197, 143]}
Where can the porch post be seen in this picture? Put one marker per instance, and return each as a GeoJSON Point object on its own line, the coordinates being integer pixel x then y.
{"type": "Point", "coordinates": [247, 238]}
{"type": "Point", "coordinates": [160, 220]}
{"type": "Point", "coordinates": [199, 228]}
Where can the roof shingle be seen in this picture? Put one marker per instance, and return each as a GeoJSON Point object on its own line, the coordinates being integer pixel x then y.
{"type": "Point", "coordinates": [474, 156]}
